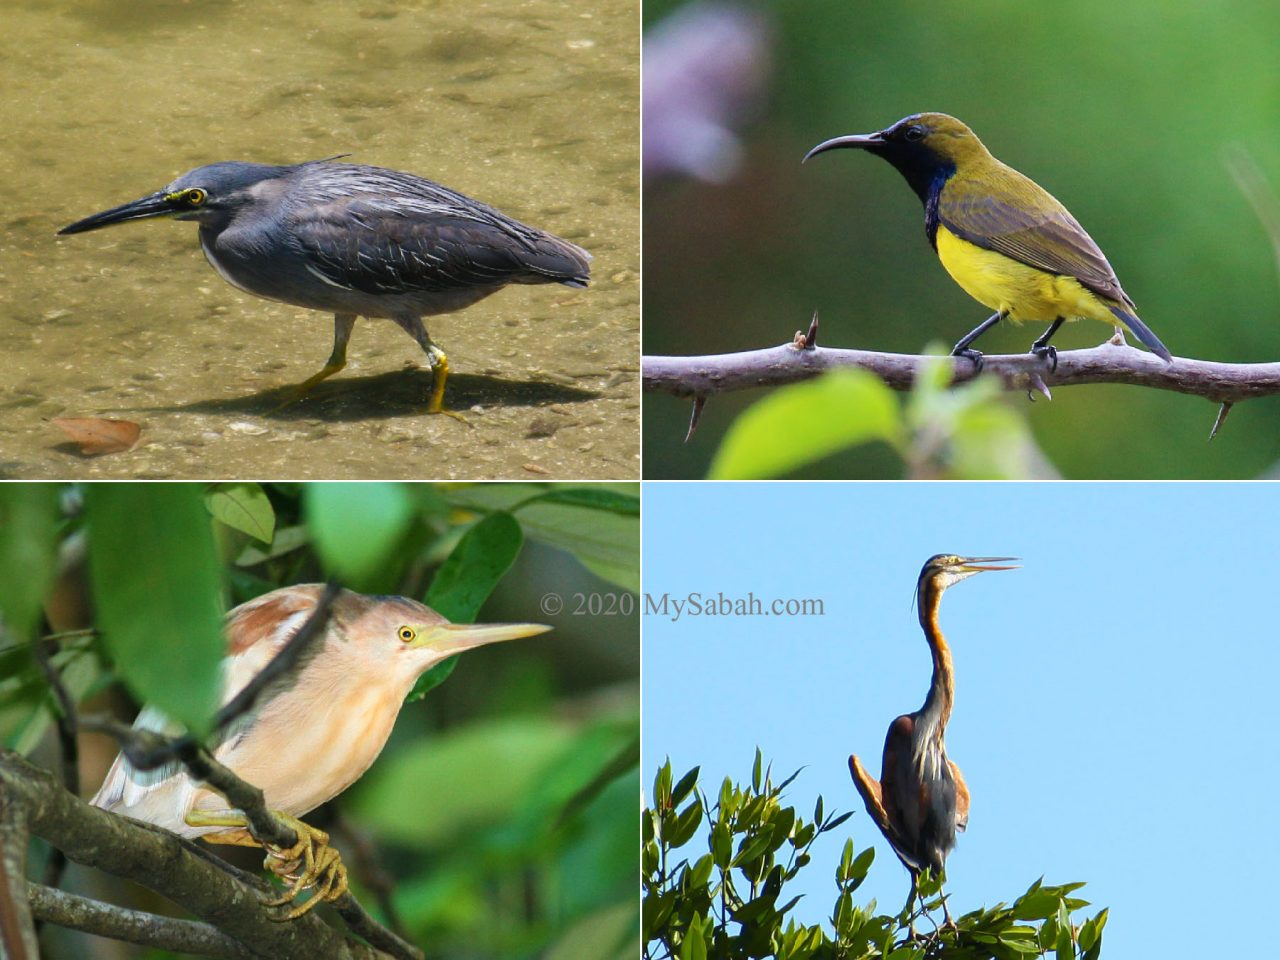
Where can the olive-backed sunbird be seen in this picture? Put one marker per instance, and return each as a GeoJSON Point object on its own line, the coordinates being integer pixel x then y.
{"type": "Point", "coordinates": [1007, 242]}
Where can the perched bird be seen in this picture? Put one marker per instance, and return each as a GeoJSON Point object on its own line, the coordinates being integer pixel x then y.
{"type": "Point", "coordinates": [1007, 242]}
{"type": "Point", "coordinates": [355, 240]}
{"type": "Point", "coordinates": [314, 734]}
{"type": "Point", "coordinates": [921, 799]}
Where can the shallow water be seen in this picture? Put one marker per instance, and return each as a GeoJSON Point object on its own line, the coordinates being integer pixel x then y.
{"type": "Point", "coordinates": [529, 106]}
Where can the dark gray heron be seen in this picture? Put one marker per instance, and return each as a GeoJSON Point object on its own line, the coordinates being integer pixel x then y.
{"type": "Point", "coordinates": [357, 241]}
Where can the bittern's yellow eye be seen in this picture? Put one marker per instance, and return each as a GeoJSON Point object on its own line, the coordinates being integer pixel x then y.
{"type": "Point", "coordinates": [195, 196]}
{"type": "Point", "coordinates": [407, 634]}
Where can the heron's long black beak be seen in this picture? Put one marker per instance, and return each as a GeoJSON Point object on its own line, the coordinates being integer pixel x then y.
{"type": "Point", "coordinates": [856, 141]}
{"type": "Point", "coordinates": [156, 205]}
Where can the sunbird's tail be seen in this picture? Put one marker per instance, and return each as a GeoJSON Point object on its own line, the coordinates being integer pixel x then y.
{"type": "Point", "coordinates": [1143, 333]}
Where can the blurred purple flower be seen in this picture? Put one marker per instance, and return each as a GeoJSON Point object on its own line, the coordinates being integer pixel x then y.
{"type": "Point", "coordinates": [705, 66]}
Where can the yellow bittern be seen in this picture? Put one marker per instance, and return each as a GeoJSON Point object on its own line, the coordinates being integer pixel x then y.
{"type": "Point", "coordinates": [921, 799]}
{"type": "Point", "coordinates": [309, 739]}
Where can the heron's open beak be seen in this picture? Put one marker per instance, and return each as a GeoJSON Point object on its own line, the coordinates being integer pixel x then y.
{"type": "Point", "coordinates": [156, 205]}
{"type": "Point", "coordinates": [987, 563]}
{"type": "Point", "coordinates": [450, 638]}
{"type": "Point", "coordinates": [857, 141]}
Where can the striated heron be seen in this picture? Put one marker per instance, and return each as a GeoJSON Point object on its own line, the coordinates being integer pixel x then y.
{"type": "Point", "coordinates": [357, 241]}
{"type": "Point", "coordinates": [314, 735]}
{"type": "Point", "coordinates": [921, 799]}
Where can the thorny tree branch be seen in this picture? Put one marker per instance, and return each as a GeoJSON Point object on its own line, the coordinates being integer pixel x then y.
{"type": "Point", "coordinates": [1113, 362]}
{"type": "Point", "coordinates": [147, 750]}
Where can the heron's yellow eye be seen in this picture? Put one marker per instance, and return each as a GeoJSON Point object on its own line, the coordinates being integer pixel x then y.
{"type": "Point", "coordinates": [195, 196]}
{"type": "Point", "coordinates": [407, 634]}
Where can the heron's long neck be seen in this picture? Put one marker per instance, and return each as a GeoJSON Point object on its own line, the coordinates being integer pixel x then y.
{"type": "Point", "coordinates": [937, 705]}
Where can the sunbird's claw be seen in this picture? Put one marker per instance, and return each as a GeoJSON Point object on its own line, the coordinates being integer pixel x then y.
{"type": "Point", "coordinates": [970, 354]}
{"type": "Point", "coordinates": [1043, 350]}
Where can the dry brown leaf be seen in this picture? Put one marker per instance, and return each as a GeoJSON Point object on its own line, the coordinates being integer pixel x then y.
{"type": "Point", "coordinates": [98, 436]}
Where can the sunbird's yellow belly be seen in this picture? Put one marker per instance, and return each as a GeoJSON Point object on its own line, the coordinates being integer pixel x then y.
{"type": "Point", "coordinates": [1013, 288]}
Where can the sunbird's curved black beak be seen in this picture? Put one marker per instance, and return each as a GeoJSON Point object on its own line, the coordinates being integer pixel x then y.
{"type": "Point", "coordinates": [856, 141]}
{"type": "Point", "coordinates": [158, 204]}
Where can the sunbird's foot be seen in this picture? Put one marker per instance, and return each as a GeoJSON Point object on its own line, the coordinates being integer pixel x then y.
{"type": "Point", "coordinates": [310, 862]}
{"type": "Point", "coordinates": [1043, 350]}
{"type": "Point", "coordinates": [970, 354]}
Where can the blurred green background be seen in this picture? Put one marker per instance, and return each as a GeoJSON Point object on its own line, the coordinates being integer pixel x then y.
{"type": "Point", "coordinates": [1121, 110]}
{"type": "Point", "coordinates": [502, 810]}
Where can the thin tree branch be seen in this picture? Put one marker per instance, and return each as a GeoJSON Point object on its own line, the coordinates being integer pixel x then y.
{"type": "Point", "coordinates": [1111, 362]}
{"type": "Point", "coordinates": [192, 878]}
{"type": "Point", "coordinates": [68, 748]}
{"type": "Point", "coordinates": [132, 926]}
{"type": "Point", "coordinates": [17, 933]}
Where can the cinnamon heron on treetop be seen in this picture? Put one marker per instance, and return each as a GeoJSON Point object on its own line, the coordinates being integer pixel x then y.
{"type": "Point", "coordinates": [921, 799]}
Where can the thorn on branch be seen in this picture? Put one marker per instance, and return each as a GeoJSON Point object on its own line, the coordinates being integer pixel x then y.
{"type": "Point", "coordinates": [809, 340]}
{"type": "Point", "coordinates": [699, 402]}
{"type": "Point", "coordinates": [1222, 418]}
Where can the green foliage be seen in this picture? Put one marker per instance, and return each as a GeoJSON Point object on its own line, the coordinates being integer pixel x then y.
{"type": "Point", "coordinates": [799, 424]}
{"type": "Point", "coordinates": [28, 548]}
{"type": "Point", "coordinates": [504, 805]}
{"type": "Point", "coordinates": [968, 432]}
{"type": "Point", "coordinates": [730, 902]}
{"type": "Point", "coordinates": [157, 590]}
{"type": "Point", "coordinates": [596, 524]}
{"type": "Point", "coordinates": [465, 580]}
{"type": "Point", "coordinates": [356, 527]}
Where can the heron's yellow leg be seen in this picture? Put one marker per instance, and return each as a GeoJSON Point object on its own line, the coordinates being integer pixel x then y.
{"type": "Point", "coordinates": [310, 862]}
{"type": "Point", "coordinates": [343, 323]}
{"type": "Point", "coordinates": [440, 375]}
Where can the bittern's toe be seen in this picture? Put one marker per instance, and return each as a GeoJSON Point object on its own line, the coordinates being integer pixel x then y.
{"type": "Point", "coordinates": [309, 863]}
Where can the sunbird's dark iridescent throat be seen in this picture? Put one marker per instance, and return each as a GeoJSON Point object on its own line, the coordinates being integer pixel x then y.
{"type": "Point", "coordinates": [1004, 238]}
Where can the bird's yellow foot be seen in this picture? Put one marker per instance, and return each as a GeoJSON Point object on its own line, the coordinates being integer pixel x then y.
{"type": "Point", "coordinates": [299, 392]}
{"type": "Point", "coordinates": [440, 375]}
{"type": "Point", "coordinates": [310, 862]}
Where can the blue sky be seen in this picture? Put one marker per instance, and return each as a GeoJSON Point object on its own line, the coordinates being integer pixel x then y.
{"type": "Point", "coordinates": [1115, 705]}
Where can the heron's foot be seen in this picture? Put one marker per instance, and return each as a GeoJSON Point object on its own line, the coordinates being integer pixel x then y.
{"type": "Point", "coordinates": [1043, 350]}
{"type": "Point", "coordinates": [440, 376]}
{"type": "Point", "coordinates": [298, 393]}
{"type": "Point", "coordinates": [971, 354]}
{"type": "Point", "coordinates": [309, 863]}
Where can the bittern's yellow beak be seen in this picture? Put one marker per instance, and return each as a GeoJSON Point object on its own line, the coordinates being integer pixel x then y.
{"type": "Point", "coordinates": [979, 564]}
{"type": "Point", "coordinates": [446, 639]}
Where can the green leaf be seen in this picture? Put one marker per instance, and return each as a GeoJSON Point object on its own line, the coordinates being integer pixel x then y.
{"type": "Point", "coordinates": [682, 788]}
{"type": "Point", "coordinates": [243, 507]}
{"type": "Point", "coordinates": [597, 525]}
{"type": "Point", "coordinates": [609, 933]}
{"type": "Point", "coordinates": [482, 557]}
{"type": "Point", "coordinates": [799, 424]}
{"type": "Point", "coordinates": [356, 527]}
{"type": "Point", "coordinates": [157, 591]}
{"type": "Point", "coordinates": [591, 497]}
{"type": "Point", "coordinates": [28, 552]}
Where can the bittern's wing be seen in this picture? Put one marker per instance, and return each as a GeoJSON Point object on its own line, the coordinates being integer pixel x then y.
{"type": "Point", "coordinates": [255, 632]}
{"type": "Point", "coordinates": [124, 787]}
{"type": "Point", "coordinates": [962, 798]}
{"type": "Point", "coordinates": [396, 233]}
{"type": "Point", "coordinates": [997, 217]}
